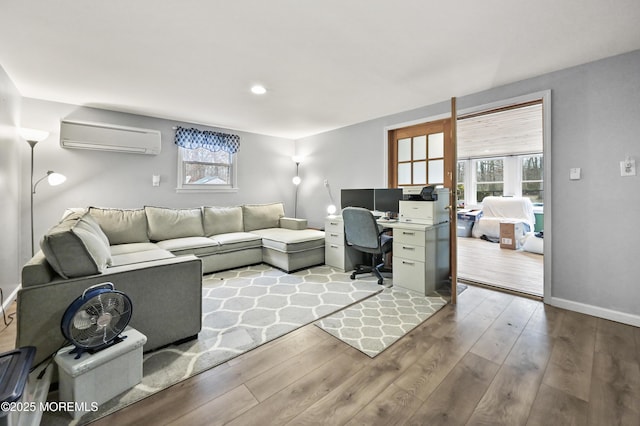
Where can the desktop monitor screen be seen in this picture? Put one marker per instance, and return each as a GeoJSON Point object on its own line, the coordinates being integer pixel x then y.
{"type": "Point", "coordinates": [357, 198]}
{"type": "Point", "coordinates": [388, 199]}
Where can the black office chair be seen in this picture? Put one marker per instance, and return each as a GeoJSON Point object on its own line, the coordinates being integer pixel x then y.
{"type": "Point", "coordinates": [363, 233]}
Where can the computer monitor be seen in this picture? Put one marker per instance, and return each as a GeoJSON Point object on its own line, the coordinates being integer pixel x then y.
{"type": "Point", "coordinates": [357, 198]}
{"type": "Point", "coordinates": [388, 199]}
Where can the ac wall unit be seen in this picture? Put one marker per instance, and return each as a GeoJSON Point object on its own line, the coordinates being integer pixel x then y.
{"type": "Point", "coordinates": [109, 137]}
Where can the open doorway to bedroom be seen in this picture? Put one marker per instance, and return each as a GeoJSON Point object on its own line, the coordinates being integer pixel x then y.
{"type": "Point", "coordinates": [501, 200]}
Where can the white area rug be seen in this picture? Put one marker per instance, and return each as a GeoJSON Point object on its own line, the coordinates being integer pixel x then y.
{"type": "Point", "coordinates": [376, 323]}
{"type": "Point", "coordinates": [242, 309]}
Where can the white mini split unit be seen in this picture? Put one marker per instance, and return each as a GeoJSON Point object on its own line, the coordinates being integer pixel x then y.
{"type": "Point", "coordinates": [109, 137]}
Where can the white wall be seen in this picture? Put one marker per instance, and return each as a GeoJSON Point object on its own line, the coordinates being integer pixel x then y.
{"type": "Point", "coordinates": [123, 180]}
{"type": "Point", "coordinates": [595, 123]}
{"type": "Point", "coordinates": [9, 185]}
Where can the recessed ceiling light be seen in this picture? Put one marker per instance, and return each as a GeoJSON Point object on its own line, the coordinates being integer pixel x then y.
{"type": "Point", "coordinates": [258, 90]}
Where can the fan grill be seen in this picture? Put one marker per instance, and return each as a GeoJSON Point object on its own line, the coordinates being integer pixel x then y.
{"type": "Point", "coordinates": [96, 319]}
{"type": "Point", "coordinates": [106, 316]}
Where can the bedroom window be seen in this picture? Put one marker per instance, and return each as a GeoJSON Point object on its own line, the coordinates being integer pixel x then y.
{"type": "Point", "coordinates": [207, 160]}
{"type": "Point", "coordinates": [532, 167]}
{"type": "Point", "coordinates": [489, 178]}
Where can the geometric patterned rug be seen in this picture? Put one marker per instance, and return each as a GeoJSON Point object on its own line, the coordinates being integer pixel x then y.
{"type": "Point", "coordinates": [242, 309]}
{"type": "Point", "coordinates": [376, 323]}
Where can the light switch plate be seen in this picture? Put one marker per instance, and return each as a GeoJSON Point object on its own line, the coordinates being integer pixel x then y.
{"type": "Point", "coordinates": [574, 173]}
{"type": "Point", "coordinates": [628, 168]}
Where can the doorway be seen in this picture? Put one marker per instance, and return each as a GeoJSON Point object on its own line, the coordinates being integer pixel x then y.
{"type": "Point", "coordinates": [501, 162]}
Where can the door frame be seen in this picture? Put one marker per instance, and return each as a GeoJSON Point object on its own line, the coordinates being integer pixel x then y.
{"type": "Point", "coordinates": [545, 95]}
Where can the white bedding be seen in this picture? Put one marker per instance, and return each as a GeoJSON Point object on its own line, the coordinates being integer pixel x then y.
{"type": "Point", "coordinates": [497, 209]}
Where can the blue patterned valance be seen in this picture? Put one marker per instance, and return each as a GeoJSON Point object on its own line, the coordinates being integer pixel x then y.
{"type": "Point", "coordinates": [213, 141]}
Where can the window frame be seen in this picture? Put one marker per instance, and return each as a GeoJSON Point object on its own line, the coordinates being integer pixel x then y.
{"type": "Point", "coordinates": [522, 181]}
{"type": "Point", "coordinates": [210, 188]}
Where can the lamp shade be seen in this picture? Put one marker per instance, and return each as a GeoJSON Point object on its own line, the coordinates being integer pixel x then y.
{"type": "Point", "coordinates": [33, 135]}
{"type": "Point", "coordinates": [55, 178]}
{"type": "Point", "coordinates": [296, 180]}
{"type": "Point", "coordinates": [297, 159]}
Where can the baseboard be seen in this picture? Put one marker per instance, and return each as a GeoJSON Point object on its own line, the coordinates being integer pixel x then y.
{"type": "Point", "coordinates": [8, 299]}
{"type": "Point", "coordinates": [595, 311]}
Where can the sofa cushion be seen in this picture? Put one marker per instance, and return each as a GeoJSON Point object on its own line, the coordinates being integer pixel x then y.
{"type": "Point", "coordinates": [290, 241]}
{"type": "Point", "coordinates": [73, 248]}
{"type": "Point", "coordinates": [189, 245]}
{"type": "Point", "coordinates": [141, 256]}
{"type": "Point", "coordinates": [221, 220]}
{"type": "Point", "coordinates": [260, 216]}
{"type": "Point", "coordinates": [166, 223]}
{"type": "Point", "coordinates": [234, 241]}
{"type": "Point", "coordinates": [132, 248]}
{"type": "Point", "coordinates": [122, 226]}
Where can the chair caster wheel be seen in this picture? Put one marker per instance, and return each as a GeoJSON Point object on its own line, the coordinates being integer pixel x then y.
{"type": "Point", "coordinates": [380, 281]}
{"type": "Point", "coordinates": [353, 276]}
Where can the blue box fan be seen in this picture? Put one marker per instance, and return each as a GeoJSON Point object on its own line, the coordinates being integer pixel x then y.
{"type": "Point", "coordinates": [95, 320]}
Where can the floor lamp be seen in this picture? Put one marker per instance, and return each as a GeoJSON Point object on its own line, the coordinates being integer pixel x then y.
{"type": "Point", "coordinates": [32, 137]}
{"type": "Point", "coordinates": [296, 181]}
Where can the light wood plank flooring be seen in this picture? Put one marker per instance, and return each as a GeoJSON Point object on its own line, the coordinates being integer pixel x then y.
{"type": "Point", "coordinates": [484, 262]}
{"type": "Point", "coordinates": [493, 359]}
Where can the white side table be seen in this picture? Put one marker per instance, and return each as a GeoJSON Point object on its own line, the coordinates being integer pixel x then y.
{"type": "Point", "coordinates": [96, 378]}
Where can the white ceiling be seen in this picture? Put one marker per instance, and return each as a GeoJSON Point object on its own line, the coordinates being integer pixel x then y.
{"type": "Point", "coordinates": [325, 64]}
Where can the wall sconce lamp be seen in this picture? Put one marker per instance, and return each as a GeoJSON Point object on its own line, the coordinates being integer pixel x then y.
{"type": "Point", "coordinates": [331, 209]}
{"type": "Point", "coordinates": [32, 137]}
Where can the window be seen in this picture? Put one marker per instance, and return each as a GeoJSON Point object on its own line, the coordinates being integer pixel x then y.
{"type": "Point", "coordinates": [489, 178]}
{"type": "Point", "coordinates": [417, 155]}
{"type": "Point", "coordinates": [206, 160]}
{"type": "Point", "coordinates": [532, 177]}
{"type": "Point", "coordinates": [460, 184]}
{"type": "Point", "coordinates": [206, 170]}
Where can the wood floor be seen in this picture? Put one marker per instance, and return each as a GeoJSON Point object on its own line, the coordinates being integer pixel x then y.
{"type": "Point", "coordinates": [484, 262]}
{"type": "Point", "coordinates": [493, 359]}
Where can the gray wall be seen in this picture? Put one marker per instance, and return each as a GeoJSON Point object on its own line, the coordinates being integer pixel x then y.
{"type": "Point", "coordinates": [595, 123]}
{"type": "Point", "coordinates": [109, 179]}
{"type": "Point", "coordinates": [9, 185]}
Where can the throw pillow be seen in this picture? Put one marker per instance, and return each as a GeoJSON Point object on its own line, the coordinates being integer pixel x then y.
{"type": "Point", "coordinates": [222, 220]}
{"type": "Point", "coordinates": [167, 224]}
{"type": "Point", "coordinates": [261, 216]}
{"type": "Point", "coordinates": [73, 248]}
{"type": "Point", "coordinates": [122, 226]}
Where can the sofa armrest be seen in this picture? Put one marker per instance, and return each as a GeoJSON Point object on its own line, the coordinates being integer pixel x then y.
{"type": "Point", "coordinates": [153, 287]}
{"type": "Point", "coordinates": [292, 223]}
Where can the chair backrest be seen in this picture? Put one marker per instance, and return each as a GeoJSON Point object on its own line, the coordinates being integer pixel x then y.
{"type": "Point", "coordinates": [361, 228]}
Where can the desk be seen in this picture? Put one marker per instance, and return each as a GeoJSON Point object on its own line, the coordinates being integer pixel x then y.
{"type": "Point", "coordinates": [420, 253]}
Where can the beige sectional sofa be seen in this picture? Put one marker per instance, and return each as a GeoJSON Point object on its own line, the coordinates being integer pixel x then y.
{"type": "Point", "coordinates": [157, 256]}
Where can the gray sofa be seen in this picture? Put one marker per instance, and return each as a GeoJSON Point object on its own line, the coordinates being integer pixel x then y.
{"type": "Point", "coordinates": [156, 256]}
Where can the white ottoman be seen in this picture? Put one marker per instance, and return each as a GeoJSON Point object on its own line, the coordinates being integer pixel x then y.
{"type": "Point", "coordinates": [96, 378]}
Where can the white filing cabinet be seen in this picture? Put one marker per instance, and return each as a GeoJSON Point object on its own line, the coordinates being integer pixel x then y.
{"type": "Point", "coordinates": [420, 256]}
{"type": "Point", "coordinates": [336, 251]}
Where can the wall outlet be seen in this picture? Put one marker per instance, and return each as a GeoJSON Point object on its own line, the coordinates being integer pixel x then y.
{"type": "Point", "coordinates": [628, 167]}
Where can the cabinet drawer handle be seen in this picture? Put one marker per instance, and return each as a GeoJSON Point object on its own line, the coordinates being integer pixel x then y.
{"type": "Point", "coordinates": [334, 223]}
{"type": "Point", "coordinates": [332, 246]}
{"type": "Point", "coordinates": [408, 248]}
{"type": "Point", "coordinates": [408, 233]}
{"type": "Point", "coordinates": [404, 262]}
{"type": "Point", "coordinates": [335, 235]}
